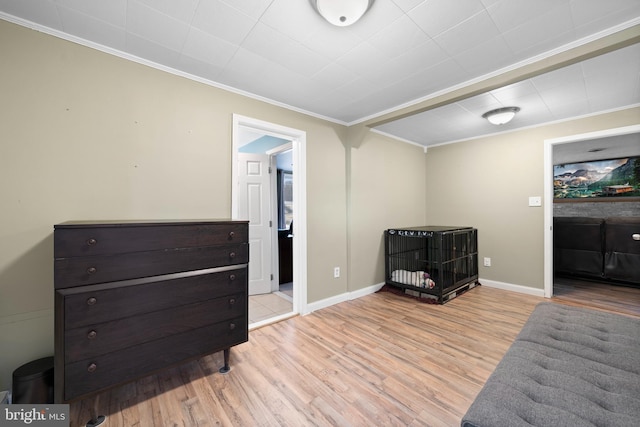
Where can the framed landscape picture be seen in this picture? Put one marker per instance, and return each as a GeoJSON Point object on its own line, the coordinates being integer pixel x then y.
{"type": "Point", "coordinates": [611, 180]}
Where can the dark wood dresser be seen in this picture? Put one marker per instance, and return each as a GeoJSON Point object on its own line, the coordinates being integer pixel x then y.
{"type": "Point", "coordinates": [132, 298]}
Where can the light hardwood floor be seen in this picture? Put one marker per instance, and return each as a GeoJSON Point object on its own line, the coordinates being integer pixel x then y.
{"type": "Point", "coordinates": [380, 360]}
{"type": "Point", "coordinates": [601, 296]}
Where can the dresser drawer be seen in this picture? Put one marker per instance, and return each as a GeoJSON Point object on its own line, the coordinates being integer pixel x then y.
{"type": "Point", "coordinates": [78, 239]}
{"type": "Point", "coordinates": [134, 297]}
{"type": "Point", "coordinates": [94, 374]}
{"type": "Point", "coordinates": [100, 269]}
{"type": "Point", "coordinates": [87, 305]}
{"type": "Point", "coordinates": [94, 340]}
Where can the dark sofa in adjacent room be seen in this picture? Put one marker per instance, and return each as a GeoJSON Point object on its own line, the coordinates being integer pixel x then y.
{"type": "Point", "coordinates": [597, 248]}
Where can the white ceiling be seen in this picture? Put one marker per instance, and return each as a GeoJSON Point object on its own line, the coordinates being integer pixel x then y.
{"type": "Point", "coordinates": [604, 83]}
{"type": "Point", "coordinates": [401, 52]}
{"type": "Point", "coordinates": [611, 147]}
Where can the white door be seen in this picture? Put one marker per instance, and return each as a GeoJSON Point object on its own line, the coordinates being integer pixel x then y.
{"type": "Point", "coordinates": [254, 204]}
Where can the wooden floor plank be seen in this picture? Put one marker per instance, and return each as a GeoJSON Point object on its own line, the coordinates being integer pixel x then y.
{"type": "Point", "coordinates": [378, 360]}
{"type": "Point", "coordinates": [602, 296]}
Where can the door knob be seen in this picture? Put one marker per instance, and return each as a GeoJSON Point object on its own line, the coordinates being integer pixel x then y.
{"type": "Point", "coordinates": [635, 236]}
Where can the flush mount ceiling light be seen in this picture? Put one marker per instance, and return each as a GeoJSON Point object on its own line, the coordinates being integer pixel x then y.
{"type": "Point", "coordinates": [501, 116]}
{"type": "Point", "coordinates": [341, 12]}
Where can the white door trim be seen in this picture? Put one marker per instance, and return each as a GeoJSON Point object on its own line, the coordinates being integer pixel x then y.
{"type": "Point", "coordinates": [298, 139]}
{"type": "Point", "coordinates": [548, 192]}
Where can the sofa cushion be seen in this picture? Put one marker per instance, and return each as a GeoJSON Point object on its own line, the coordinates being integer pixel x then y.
{"type": "Point", "coordinates": [568, 366]}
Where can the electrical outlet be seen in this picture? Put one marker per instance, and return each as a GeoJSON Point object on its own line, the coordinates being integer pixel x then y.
{"type": "Point", "coordinates": [336, 272]}
{"type": "Point", "coordinates": [487, 262]}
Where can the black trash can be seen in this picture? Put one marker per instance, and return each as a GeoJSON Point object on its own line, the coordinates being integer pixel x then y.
{"type": "Point", "coordinates": [33, 382]}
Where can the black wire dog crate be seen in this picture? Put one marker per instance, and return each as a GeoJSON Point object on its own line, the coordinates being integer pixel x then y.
{"type": "Point", "coordinates": [437, 262]}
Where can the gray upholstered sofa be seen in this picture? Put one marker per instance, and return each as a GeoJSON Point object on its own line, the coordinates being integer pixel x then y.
{"type": "Point", "coordinates": [567, 367]}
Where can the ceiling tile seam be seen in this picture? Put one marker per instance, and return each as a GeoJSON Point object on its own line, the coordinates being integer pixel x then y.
{"type": "Point", "coordinates": [497, 27]}
{"type": "Point", "coordinates": [573, 18]}
{"type": "Point", "coordinates": [126, 21]}
{"type": "Point", "coordinates": [292, 40]}
{"type": "Point", "coordinates": [348, 53]}
{"type": "Point", "coordinates": [253, 27]}
{"type": "Point", "coordinates": [539, 42]}
{"type": "Point", "coordinates": [238, 45]}
{"type": "Point", "coordinates": [222, 66]}
{"type": "Point", "coordinates": [194, 13]}
{"type": "Point", "coordinates": [60, 7]}
{"type": "Point", "coordinates": [438, 37]}
{"type": "Point", "coordinates": [406, 78]}
{"type": "Point", "coordinates": [541, 97]}
{"type": "Point", "coordinates": [456, 59]}
{"type": "Point", "coordinates": [489, 12]}
{"type": "Point", "coordinates": [584, 85]}
{"type": "Point", "coordinates": [513, 67]}
{"type": "Point", "coordinates": [171, 18]}
{"type": "Point", "coordinates": [232, 5]}
{"type": "Point", "coordinates": [510, 30]}
{"type": "Point", "coordinates": [406, 12]}
{"type": "Point", "coordinates": [464, 108]}
{"type": "Point", "coordinates": [59, 16]}
{"type": "Point", "coordinates": [415, 23]}
{"type": "Point", "coordinates": [186, 39]}
{"type": "Point", "coordinates": [483, 11]}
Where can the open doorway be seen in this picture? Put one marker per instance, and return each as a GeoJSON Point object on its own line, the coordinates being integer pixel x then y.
{"type": "Point", "coordinates": [268, 189]}
{"type": "Point", "coordinates": [284, 185]}
{"type": "Point", "coordinates": [565, 144]}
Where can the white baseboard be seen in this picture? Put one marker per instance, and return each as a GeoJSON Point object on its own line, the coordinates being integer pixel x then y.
{"type": "Point", "coordinates": [511, 287]}
{"type": "Point", "coordinates": [347, 296]}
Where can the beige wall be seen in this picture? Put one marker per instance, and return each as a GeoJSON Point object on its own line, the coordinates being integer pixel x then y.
{"type": "Point", "coordinates": [387, 184]}
{"type": "Point", "coordinates": [486, 183]}
{"type": "Point", "coordinates": [86, 135]}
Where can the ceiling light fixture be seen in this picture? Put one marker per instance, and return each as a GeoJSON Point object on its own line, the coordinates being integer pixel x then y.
{"type": "Point", "coordinates": [501, 116]}
{"type": "Point", "coordinates": [341, 12]}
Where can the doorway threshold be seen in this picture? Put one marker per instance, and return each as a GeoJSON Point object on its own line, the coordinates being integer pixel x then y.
{"type": "Point", "coordinates": [271, 320]}
{"type": "Point", "coordinates": [269, 308]}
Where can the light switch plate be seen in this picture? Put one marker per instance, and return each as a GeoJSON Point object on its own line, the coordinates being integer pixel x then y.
{"type": "Point", "coordinates": [535, 201]}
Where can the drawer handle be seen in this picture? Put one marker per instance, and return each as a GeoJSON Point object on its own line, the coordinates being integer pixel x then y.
{"type": "Point", "coordinates": [232, 277]}
{"type": "Point", "coordinates": [635, 236]}
{"type": "Point", "coordinates": [92, 270]}
{"type": "Point", "coordinates": [91, 242]}
{"type": "Point", "coordinates": [231, 234]}
{"type": "Point", "coordinates": [232, 255]}
{"type": "Point", "coordinates": [92, 367]}
{"type": "Point", "coordinates": [232, 301]}
{"type": "Point", "coordinates": [92, 335]}
{"type": "Point", "coordinates": [91, 301]}
{"type": "Point", "coordinates": [232, 326]}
